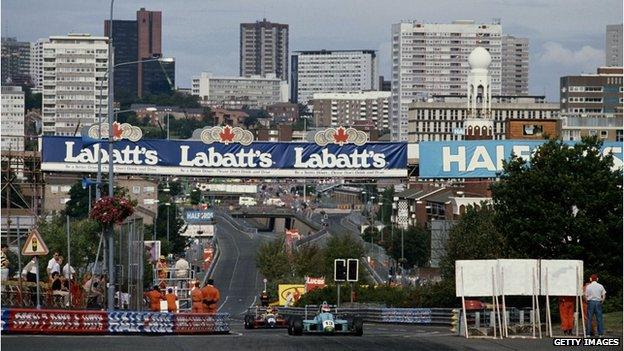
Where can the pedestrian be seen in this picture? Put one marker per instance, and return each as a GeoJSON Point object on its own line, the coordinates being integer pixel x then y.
{"type": "Point", "coordinates": [154, 297]}
{"type": "Point", "coordinates": [4, 263]}
{"type": "Point", "coordinates": [566, 313]}
{"type": "Point", "coordinates": [171, 298]}
{"type": "Point", "coordinates": [210, 297]}
{"type": "Point", "coordinates": [68, 271]}
{"type": "Point", "coordinates": [196, 298]}
{"type": "Point", "coordinates": [29, 272]}
{"type": "Point", "coordinates": [53, 265]}
{"type": "Point", "coordinates": [595, 295]}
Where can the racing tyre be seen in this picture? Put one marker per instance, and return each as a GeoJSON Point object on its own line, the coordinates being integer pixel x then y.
{"type": "Point", "coordinates": [290, 328]}
{"type": "Point", "coordinates": [248, 322]}
{"type": "Point", "coordinates": [358, 326]}
{"type": "Point", "coordinates": [297, 325]}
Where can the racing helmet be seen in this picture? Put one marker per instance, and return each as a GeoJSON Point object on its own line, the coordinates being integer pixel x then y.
{"type": "Point", "coordinates": [325, 307]}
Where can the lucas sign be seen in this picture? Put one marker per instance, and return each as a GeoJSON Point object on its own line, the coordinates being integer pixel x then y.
{"type": "Point", "coordinates": [483, 158]}
{"type": "Point", "coordinates": [258, 159]}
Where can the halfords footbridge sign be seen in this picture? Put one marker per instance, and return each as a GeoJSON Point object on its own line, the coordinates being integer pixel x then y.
{"type": "Point", "coordinates": [201, 158]}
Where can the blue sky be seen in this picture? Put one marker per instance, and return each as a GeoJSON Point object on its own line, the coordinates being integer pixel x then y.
{"type": "Point", "coordinates": [566, 36]}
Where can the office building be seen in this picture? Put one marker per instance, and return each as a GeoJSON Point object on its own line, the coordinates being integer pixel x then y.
{"type": "Point", "coordinates": [593, 93]}
{"type": "Point", "coordinates": [514, 66]}
{"type": "Point", "coordinates": [352, 109]}
{"type": "Point", "coordinates": [15, 62]}
{"type": "Point", "coordinates": [607, 126]}
{"type": "Point", "coordinates": [264, 49]}
{"type": "Point", "coordinates": [613, 45]}
{"type": "Point", "coordinates": [239, 92]}
{"type": "Point", "coordinates": [136, 40]}
{"type": "Point", "coordinates": [431, 59]}
{"type": "Point", "coordinates": [332, 71]}
{"type": "Point", "coordinates": [12, 118]}
{"type": "Point", "coordinates": [479, 115]}
{"type": "Point", "coordinates": [283, 112]}
{"type": "Point", "coordinates": [75, 84]}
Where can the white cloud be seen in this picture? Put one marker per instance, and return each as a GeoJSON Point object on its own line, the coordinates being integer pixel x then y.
{"type": "Point", "coordinates": [585, 59]}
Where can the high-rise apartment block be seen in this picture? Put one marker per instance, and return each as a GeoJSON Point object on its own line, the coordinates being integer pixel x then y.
{"type": "Point", "coordinates": [36, 64]}
{"type": "Point", "coordinates": [431, 59]}
{"type": "Point", "coordinates": [369, 108]}
{"type": "Point", "coordinates": [136, 40]}
{"type": "Point", "coordinates": [264, 49]}
{"type": "Point", "coordinates": [239, 92]}
{"type": "Point", "coordinates": [75, 85]}
{"type": "Point", "coordinates": [613, 45]}
{"type": "Point", "coordinates": [515, 66]}
{"type": "Point", "coordinates": [592, 93]}
{"type": "Point", "coordinates": [12, 118]}
{"type": "Point", "coordinates": [15, 62]}
{"type": "Point", "coordinates": [332, 71]}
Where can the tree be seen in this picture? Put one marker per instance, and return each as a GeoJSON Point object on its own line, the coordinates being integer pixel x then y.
{"type": "Point", "coordinates": [195, 197]}
{"type": "Point", "coordinates": [387, 198]}
{"type": "Point", "coordinates": [78, 205]}
{"type": "Point", "coordinates": [341, 246]}
{"type": "Point", "coordinates": [416, 246]}
{"type": "Point", "coordinates": [272, 260]}
{"type": "Point", "coordinates": [308, 261]}
{"type": "Point", "coordinates": [176, 242]}
{"type": "Point", "coordinates": [474, 236]}
{"type": "Point", "coordinates": [566, 203]}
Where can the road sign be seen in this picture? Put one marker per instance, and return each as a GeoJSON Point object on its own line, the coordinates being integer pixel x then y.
{"type": "Point", "coordinates": [34, 245]}
{"type": "Point", "coordinates": [352, 269]}
{"type": "Point", "coordinates": [340, 270]}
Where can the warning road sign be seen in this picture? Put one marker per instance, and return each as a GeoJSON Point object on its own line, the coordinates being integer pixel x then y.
{"type": "Point", "coordinates": [34, 245]}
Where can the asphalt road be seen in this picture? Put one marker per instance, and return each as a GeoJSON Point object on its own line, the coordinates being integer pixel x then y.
{"type": "Point", "coordinates": [235, 273]}
{"type": "Point", "coordinates": [376, 337]}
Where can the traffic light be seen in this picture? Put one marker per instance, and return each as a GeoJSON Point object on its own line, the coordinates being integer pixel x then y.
{"type": "Point", "coordinates": [352, 269]}
{"type": "Point", "coordinates": [340, 270]}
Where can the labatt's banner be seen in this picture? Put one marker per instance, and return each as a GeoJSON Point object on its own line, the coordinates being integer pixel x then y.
{"type": "Point", "coordinates": [484, 158]}
{"type": "Point", "coordinates": [210, 157]}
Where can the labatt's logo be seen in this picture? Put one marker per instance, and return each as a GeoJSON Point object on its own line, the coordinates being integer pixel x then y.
{"type": "Point", "coordinates": [325, 159]}
{"type": "Point", "coordinates": [212, 158]}
{"type": "Point", "coordinates": [130, 155]}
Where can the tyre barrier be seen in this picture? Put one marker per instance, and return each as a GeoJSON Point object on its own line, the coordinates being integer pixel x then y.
{"type": "Point", "coordinates": [118, 322]}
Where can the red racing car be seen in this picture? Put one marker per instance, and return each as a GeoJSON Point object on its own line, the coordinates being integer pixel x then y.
{"type": "Point", "coordinates": [264, 317]}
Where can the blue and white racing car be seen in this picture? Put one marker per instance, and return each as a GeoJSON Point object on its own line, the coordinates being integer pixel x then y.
{"type": "Point", "coordinates": [326, 322]}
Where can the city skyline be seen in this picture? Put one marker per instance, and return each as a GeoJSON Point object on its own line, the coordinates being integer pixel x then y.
{"type": "Point", "coordinates": [559, 45]}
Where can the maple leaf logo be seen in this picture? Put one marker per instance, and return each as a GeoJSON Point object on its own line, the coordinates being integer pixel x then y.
{"type": "Point", "coordinates": [226, 135]}
{"type": "Point", "coordinates": [117, 131]}
{"type": "Point", "coordinates": [341, 136]}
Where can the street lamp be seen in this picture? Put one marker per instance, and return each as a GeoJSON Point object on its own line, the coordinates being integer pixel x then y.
{"type": "Point", "coordinates": [167, 204]}
{"type": "Point", "coordinates": [111, 119]}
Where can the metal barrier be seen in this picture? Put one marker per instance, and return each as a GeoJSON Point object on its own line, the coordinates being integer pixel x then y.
{"type": "Point", "coordinates": [234, 223]}
{"type": "Point", "coordinates": [33, 321]}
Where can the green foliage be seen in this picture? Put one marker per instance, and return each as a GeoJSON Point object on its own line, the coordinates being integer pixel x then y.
{"type": "Point", "coordinates": [565, 203]}
{"type": "Point", "coordinates": [250, 121]}
{"type": "Point", "coordinates": [272, 261]}
{"type": "Point", "coordinates": [416, 243]}
{"type": "Point", "coordinates": [308, 261]}
{"type": "Point", "coordinates": [387, 198]}
{"type": "Point", "coordinates": [84, 239]}
{"type": "Point", "coordinates": [475, 236]}
{"type": "Point", "coordinates": [78, 205]}
{"type": "Point", "coordinates": [173, 99]}
{"type": "Point", "coordinates": [342, 246]}
{"type": "Point", "coordinates": [195, 197]}
{"type": "Point", "coordinates": [31, 100]}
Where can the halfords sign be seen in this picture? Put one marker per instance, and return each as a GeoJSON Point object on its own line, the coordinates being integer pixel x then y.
{"type": "Point", "coordinates": [483, 158]}
{"type": "Point", "coordinates": [258, 159]}
{"type": "Point", "coordinates": [199, 216]}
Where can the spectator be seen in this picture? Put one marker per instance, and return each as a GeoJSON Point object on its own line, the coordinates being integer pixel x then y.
{"type": "Point", "coordinates": [154, 296]}
{"type": "Point", "coordinates": [52, 265]}
{"type": "Point", "coordinates": [4, 263]}
{"type": "Point", "coordinates": [68, 271]}
{"type": "Point", "coordinates": [59, 288]}
{"type": "Point", "coordinates": [196, 298]}
{"type": "Point", "coordinates": [595, 295]}
{"type": "Point", "coordinates": [95, 298]}
{"type": "Point", "coordinates": [171, 298]}
{"type": "Point", "coordinates": [29, 272]}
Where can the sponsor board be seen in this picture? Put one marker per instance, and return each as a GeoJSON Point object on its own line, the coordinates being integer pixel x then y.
{"type": "Point", "coordinates": [199, 216]}
{"type": "Point", "coordinates": [484, 158]}
{"type": "Point", "coordinates": [258, 159]}
{"type": "Point", "coordinates": [290, 293]}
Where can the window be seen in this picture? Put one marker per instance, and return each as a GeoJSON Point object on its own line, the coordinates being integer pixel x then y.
{"type": "Point", "coordinates": [136, 189]}
{"type": "Point", "coordinates": [54, 189]}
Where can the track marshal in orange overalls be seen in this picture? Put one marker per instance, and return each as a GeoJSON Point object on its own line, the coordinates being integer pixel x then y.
{"type": "Point", "coordinates": [210, 297]}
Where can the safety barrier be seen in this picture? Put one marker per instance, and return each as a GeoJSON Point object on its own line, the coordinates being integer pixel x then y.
{"type": "Point", "coordinates": [422, 316]}
{"type": "Point", "coordinates": [234, 223]}
{"type": "Point", "coordinates": [34, 321]}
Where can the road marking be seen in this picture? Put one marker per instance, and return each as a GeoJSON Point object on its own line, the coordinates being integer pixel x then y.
{"type": "Point", "coordinates": [226, 298]}
{"type": "Point", "coordinates": [254, 302]}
